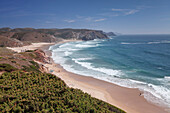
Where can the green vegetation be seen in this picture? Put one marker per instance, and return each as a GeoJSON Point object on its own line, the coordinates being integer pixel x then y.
{"type": "Point", "coordinates": [34, 63]}
{"type": "Point", "coordinates": [13, 61]}
{"type": "Point", "coordinates": [29, 51]}
{"type": "Point", "coordinates": [33, 67]}
{"type": "Point", "coordinates": [32, 55]}
{"type": "Point", "coordinates": [42, 92]}
{"type": "Point", "coordinates": [24, 59]}
{"type": "Point", "coordinates": [7, 67]}
{"type": "Point", "coordinates": [26, 89]}
{"type": "Point", "coordinates": [2, 46]}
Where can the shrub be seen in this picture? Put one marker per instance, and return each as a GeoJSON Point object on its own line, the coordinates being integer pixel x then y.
{"type": "Point", "coordinates": [13, 61]}
{"type": "Point", "coordinates": [24, 59]}
{"type": "Point", "coordinates": [30, 68]}
{"type": "Point", "coordinates": [34, 63]}
{"type": "Point", "coordinates": [29, 51]}
{"type": "Point", "coordinates": [2, 45]}
{"type": "Point", "coordinates": [42, 92]}
{"type": "Point", "coordinates": [7, 67]}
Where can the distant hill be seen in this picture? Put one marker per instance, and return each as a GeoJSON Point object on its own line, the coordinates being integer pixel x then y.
{"type": "Point", "coordinates": [23, 36]}
{"type": "Point", "coordinates": [10, 42]}
{"type": "Point", "coordinates": [110, 34]}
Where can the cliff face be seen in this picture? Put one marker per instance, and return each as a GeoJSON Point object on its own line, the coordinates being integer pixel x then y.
{"type": "Point", "coordinates": [110, 34]}
{"type": "Point", "coordinates": [22, 36]}
{"type": "Point", "coordinates": [81, 34]}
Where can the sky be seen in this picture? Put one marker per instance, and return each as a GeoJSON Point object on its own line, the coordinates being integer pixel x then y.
{"type": "Point", "coordinates": [120, 16]}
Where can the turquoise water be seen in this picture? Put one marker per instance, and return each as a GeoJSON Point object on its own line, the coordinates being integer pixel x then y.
{"type": "Point", "coordinates": [134, 61]}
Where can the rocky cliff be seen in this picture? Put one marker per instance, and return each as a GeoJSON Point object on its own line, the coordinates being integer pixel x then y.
{"type": "Point", "coordinates": [110, 34]}
{"type": "Point", "coordinates": [21, 36]}
{"type": "Point", "coordinates": [81, 34]}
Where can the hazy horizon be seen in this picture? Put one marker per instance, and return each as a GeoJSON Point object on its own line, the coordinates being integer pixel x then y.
{"type": "Point", "coordinates": [125, 17]}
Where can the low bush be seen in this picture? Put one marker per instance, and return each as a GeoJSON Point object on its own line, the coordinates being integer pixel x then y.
{"type": "Point", "coordinates": [7, 67]}
{"type": "Point", "coordinates": [29, 51]}
{"type": "Point", "coordinates": [30, 68]}
{"type": "Point", "coordinates": [24, 59]}
{"type": "Point", "coordinates": [13, 61]}
{"type": "Point", "coordinates": [42, 92]}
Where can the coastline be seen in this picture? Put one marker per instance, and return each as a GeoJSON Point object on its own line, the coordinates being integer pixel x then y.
{"type": "Point", "coordinates": [127, 99]}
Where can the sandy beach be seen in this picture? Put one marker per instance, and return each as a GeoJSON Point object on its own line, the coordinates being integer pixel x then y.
{"type": "Point", "coordinates": [130, 100]}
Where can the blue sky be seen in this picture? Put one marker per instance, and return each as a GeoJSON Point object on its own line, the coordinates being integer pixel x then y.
{"type": "Point", "coordinates": [122, 16]}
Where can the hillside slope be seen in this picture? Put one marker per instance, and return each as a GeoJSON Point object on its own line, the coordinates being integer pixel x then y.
{"type": "Point", "coordinates": [25, 88]}
{"type": "Point", "coordinates": [24, 36]}
{"type": "Point", "coordinates": [10, 42]}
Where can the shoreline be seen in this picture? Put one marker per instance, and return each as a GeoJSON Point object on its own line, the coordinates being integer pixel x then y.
{"type": "Point", "coordinates": [127, 99]}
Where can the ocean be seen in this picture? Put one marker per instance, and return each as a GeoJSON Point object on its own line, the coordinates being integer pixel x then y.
{"type": "Point", "coordinates": [133, 61]}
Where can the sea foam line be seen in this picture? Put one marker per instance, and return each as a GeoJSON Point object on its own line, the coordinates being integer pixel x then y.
{"type": "Point", "coordinates": [100, 69]}
{"type": "Point", "coordinates": [154, 42]}
{"type": "Point", "coordinates": [153, 93]}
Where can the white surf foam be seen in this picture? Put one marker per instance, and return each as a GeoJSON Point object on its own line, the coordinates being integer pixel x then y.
{"type": "Point", "coordinates": [100, 69]}
{"type": "Point", "coordinates": [82, 59]}
{"type": "Point", "coordinates": [85, 46]}
{"type": "Point", "coordinates": [156, 94]}
{"type": "Point", "coordinates": [158, 42]}
{"type": "Point", "coordinates": [160, 94]}
{"type": "Point", "coordinates": [167, 78]}
{"type": "Point", "coordinates": [154, 42]}
{"type": "Point", "coordinates": [58, 58]}
{"type": "Point", "coordinates": [138, 82]}
{"type": "Point", "coordinates": [67, 53]}
{"type": "Point", "coordinates": [131, 43]}
{"type": "Point", "coordinates": [64, 45]}
{"type": "Point", "coordinates": [153, 93]}
{"type": "Point", "coordinates": [88, 44]}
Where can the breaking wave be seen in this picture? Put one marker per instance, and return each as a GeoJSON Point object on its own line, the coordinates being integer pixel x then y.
{"type": "Point", "coordinates": [84, 58]}
{"type": "Point", "coordinates": [154, 42]}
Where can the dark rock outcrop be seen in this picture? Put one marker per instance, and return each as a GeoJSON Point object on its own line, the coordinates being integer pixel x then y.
{"type": "Point", "coordinates": [110, 34]}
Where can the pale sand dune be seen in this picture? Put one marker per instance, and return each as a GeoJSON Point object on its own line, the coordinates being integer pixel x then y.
{"type": "Point", "coordinates": [124, 98]}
